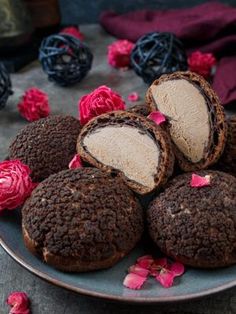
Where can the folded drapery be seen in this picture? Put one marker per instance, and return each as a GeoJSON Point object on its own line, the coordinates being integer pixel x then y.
{"type": "Point", "coordinates": [210, 27]}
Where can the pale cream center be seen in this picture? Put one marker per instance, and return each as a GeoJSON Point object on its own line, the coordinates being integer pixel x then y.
{"type": "Point", "coordinates": [127, 149]}
{"type": "Point", "coordinates": [186, 107]}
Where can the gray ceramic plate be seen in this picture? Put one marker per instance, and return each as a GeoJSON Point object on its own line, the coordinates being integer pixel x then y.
{"type": "Point", "coordinates": [108, 283]}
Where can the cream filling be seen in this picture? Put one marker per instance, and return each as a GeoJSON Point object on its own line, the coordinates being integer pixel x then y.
{"type": "Point", "coordinates": [186, 107]}
{"type": "Point", "coordinates": [126, 149]}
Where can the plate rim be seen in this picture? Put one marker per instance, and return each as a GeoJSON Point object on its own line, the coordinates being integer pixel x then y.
{"type": "Point", "coordinates": [122, 299]}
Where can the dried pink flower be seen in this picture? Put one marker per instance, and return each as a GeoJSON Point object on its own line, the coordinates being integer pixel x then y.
{"type": "Point", "coordinates": [201, 63]}
{"type": "Point", "coordinates": [119, 53]}
{"type": "Point", "coordinates": [19, 302]}
{"type": "Point", "coordinates": [103, 99]}
{"type": "Point", "coordinates": [15, 184]}
{"type": "Point", "coordinates": [34, 104]}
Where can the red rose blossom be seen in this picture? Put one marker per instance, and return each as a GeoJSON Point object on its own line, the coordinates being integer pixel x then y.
{"type": "Point", "coordinates": [201, 63]}
{"type": "Point", "coordinates": [34, 104]}
{"type": "Point", "coordinates": [73, 31]}
{"type": "Point", "coordinates": [119, 53]}
{"type": "Point", "coordinates": [19, 302]}
{"type": "Point", "coordinates": [15, 184]}
{"type": "Point", "coordinates": [101, 100]}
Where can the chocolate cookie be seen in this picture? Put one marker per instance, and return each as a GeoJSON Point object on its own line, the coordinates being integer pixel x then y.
{"type": "Point", "coordinates": [129, 146]}
{"type": "Point", "coordinates": [143, 110]}
{"type": "Point", "coordinates": [196, 226]}
{"type": "Point", "coordinates": [196, 119]}
{"type": "Point", "coordinates": [81, 220]}
{"type": "Point", "coordinates": [227, 161]}
{"type": "Point", "coordinates": [47, 145]}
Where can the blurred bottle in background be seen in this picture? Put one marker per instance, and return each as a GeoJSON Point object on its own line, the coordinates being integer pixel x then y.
{"type": "Point", "coordinates": [23, 24]}
{"type": "Point", "coordinates": [15, 24]}
{"type": "Point", "coordinates": [45, 14]}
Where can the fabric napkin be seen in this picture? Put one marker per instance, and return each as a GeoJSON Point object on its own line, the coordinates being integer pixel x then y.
{"type": "Point", "coordinates": [209, 27]}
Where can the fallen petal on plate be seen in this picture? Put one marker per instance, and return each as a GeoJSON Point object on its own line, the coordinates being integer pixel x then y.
{"type": "Point", "coordinates": [138, 270]}
{"type": "Point", "coordinates": [166, 279]}
{"type": "Point", "coordinates": [177, 269]}
{"type": "Point", "coordinates": [134, 281]}
{"type": "Point", "coordinates": [145, 261]}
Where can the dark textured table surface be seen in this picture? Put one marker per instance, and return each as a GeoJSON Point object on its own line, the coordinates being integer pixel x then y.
{"type": "Point", "coordinates": [46, 298]}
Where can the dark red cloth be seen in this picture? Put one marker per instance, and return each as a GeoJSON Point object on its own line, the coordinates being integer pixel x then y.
{"type": "Point", "coordinates": [210, 27]}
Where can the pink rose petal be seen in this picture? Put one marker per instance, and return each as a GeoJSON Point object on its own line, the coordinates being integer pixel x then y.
{"type": "Point", "coordinates": [145, 261]}
{"type": "Point", "coordinates": [136, 269]}
{"type": "Point", "coordinates": [162, 262]}
{"type": "Point", "coordinates": [162, 269]}
{"type": "Point", "coordinates": [134, 96]}
{"type": "Point", "coordinates": [198, 181]}
{"type": "Point", "coordinates": [177, 269]}
{"type": "Point", "coordinates": [154, 272]}
{"type": "Point", "coordinates": [73, 31]}
{"type": "Point", "coordinates": [157, 117]}
{"type": "Point", "coordinates": [165, 278]}
{"type": "Point", "coordinates": [75, 162]}
{"type": "Point", "coordinates": [134, 281]}
{"type": "Point", "coordinates": [157, 266]}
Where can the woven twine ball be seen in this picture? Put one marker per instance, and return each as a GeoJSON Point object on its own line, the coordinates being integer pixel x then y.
{"type": "Point", "coordinates": [5, 86]}
{"type": "Point", "coordinates": [155, 54]}
{"type": "Point", "coordinates": [65, 59]}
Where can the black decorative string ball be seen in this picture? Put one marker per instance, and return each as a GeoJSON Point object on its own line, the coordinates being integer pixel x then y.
{"type": "Point", "coordinates": [65, 59]}
{"type": "Point", "coordinates": [156, 53]}
{"type": "Point", "coordinates": [5, 86]}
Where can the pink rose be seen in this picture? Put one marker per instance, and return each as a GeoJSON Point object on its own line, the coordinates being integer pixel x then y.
{"type": "Point", "coordinates": [119, 53]}
{"type": "Point", "coordinates": [73, 31]}
{"type": "Point", "coordinates": [15, 184]}
{"type": "Point", "coordinates": [201, 63]}
{"type": "Point", "coordinates": [34, 105]}
{"type": "Point", "coordinates": [19, 302]}
{"type": "Point", "coordinates": [101, 100]}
